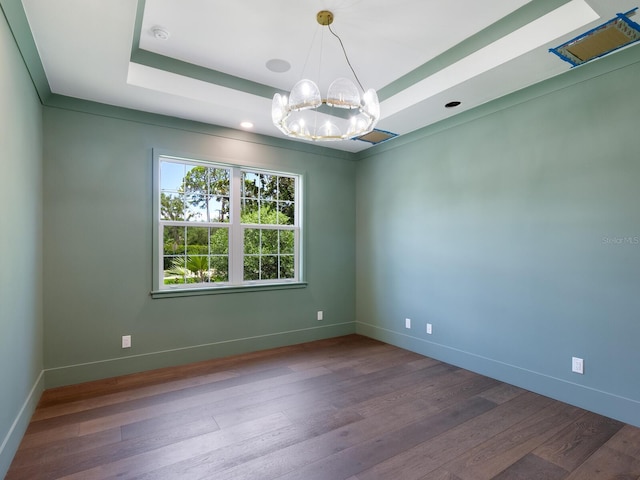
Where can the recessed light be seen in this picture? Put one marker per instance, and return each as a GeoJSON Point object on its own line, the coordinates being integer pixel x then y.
{"type": "Point", "coordinates": [160, 33]}
{"type": "Point", "coordinates": [452, 104]}
{"type": "Point", "coordinates": [246, 125]}
{"type": "Point", "coordinates": [278, 65]}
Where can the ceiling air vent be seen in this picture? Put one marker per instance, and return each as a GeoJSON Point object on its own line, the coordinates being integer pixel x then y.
{"type": "Point", "coordinates": [376, 136]}
{"type": "Point", "coordinates": [602, 40]}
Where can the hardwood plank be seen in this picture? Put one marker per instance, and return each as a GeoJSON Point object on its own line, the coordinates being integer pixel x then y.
{"type": "Point", "coordinates": [430, 387]}
{"type": "Point", "coordinates": [608, 464]}
{"type": "Point", "coordinates": [626, 441]}
{"type": "Point", "coordinates": [240, 381]}
{"type": "Point", "coordinates": [207, 465]}
{"type": "Point", "coordinates": [496, 454]}
{"type": "Point", "coordinates": [372, 387]}
{"type": "Point", "coordinates": [353, 460]}
{"type": "Point", "coordinates": [532, 467]}
{"type": "Point", "coordinates": [95, 420]}
{"type": "Point", "coordinates": [43, 413]}
{"type": "Point", "coordinates": [41, 455]}
{"type": "Point", "coordinates": [73, 462]}
{"type": "Point", "coordinates": [577, 442]}
{"type": "Point", "coordinates": [433, 454]}
{"type": "Point", "coordinates": [293, 458]}
{"type": "Point", "coordinates": [201, 415]}
{"type": "Point", "coordinates": [320, 393]}
{"type": "Point", "coordinates": [441, 474]}
{"type": "Point", "coordinates": [502, 393]}
{"type": "Point", "coordinates": [140, 459]}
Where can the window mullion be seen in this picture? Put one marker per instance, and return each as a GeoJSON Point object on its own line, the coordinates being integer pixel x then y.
{"type": "Point", "coordinates": [236, 234]}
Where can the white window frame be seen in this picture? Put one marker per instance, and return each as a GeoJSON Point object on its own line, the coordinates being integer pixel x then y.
{"type": "Point", "coordinates": [236, 231]}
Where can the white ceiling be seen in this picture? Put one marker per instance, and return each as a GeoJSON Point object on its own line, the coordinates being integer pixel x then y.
{"type": "Point", "coordinates": [90, 50]}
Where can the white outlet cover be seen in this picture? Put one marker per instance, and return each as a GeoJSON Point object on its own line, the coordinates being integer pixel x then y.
{"type": "Point", "coordinates": [320, 315]}
{"type": "Point", "coordinates": [407, 323]}
{"type": "Point", "coordinates": [126, 341]}
{"type": "Point", "coordinates": [577, 365]}
{"type": "Point", "coordinates": [429, 329]}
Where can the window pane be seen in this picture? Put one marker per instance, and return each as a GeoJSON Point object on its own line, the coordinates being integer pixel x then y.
{"type": "Point", "coordinates": [171, 206]}
{"type": "Point", "coordinates": [252, 241]}
{"type": "Point", "coordinates": [286, 189]}
{"type": "Point", "coordinates": [250, 185]}
{"type": "Point", "coordinates": [219, 269]}
{"type": "Point", "coordinates": [218, 209]}
{"type": "Point", "coordinates": [219, 241]}
{"type": "Point", "coordinates": [268, 213]}
{"type": "Point", "coordinates": [269, 267]}
{"type": "Point", "coordinates": [287, 213]}
{"type": "Point", "coordinates": [251, 268]}
{"type": "Point", "coordinates": [268, 186]}
{"type": "Point", "coordinates": [196, 207]}
{"type": "Point", "coordinates": [173, 240]}
{"type": "Point", "coordinates": [171, 175]}
{"type": "Point", "coordinates": [286, 242]}
{"type": "Point", "coordinates": [269, 242]}
{"type": "Point", "coordinates": [286, 267]}
{"type": "Point", "coordinates": [249, 213]}
{"type": "Point", "coordinates": [196, 179]}
{"type": "Point", "coordinates": [175, 271]}
{"type": "Point", "coordinates": [198, 266]}
{"type": "Point", "coordinates": [219, 181]}
{"type": "Point", "coordinates": [197, 240]}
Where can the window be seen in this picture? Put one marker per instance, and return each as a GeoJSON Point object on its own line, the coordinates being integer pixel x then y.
{"type": "Point", "coordinates": [222, 225]}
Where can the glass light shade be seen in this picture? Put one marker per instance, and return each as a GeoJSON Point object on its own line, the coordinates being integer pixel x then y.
{"type": "Point", "coordinates": [278, 108]}
{"type": "Point", "coordinates": [343, 93]}
{"type": "Point", "coordinates": [296, 124]}
{"type": "Point", "coordinates": [304, 94]}
{"type": "Point", "coordinates": [370, 104]}
{"type": "Point", "coordinates": [358, 125]}
{"type": "Point", "coordinates": [329, 131]}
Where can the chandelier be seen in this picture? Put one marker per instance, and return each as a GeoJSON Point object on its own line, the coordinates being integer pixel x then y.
{"type": "Point", "coordinates": [305, 114]}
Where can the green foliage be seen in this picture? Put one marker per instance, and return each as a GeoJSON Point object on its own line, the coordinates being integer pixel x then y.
{"type": "Point", "coordinates": [201, 184]}
{"type": "Point", "coordinates": [268, 253]}
{"type": "Point", "coordinates": [197, 269]}
{"type": "Point", "coordinates": [171, 207]}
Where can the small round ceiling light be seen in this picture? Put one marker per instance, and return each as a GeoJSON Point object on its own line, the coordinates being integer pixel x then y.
{"type": "Point", "coordinates": [453, 104]}
{"type": "Point", "coordinates": [277, 65]}
{"type": "Point", "coordinates": [246, 124]}
{"type": "Point", "coordinates": [160, 33]}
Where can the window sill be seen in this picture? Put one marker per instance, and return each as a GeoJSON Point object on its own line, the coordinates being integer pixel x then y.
{"type": "Point", "coordinates": [195, 292]}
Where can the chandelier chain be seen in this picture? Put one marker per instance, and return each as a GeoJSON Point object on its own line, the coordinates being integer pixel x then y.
{"type": "Point", "coordinates": [346, 56]}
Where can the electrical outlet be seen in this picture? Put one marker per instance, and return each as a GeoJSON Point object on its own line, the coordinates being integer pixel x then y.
{"type": "Point", "coordinates": [407, 323]}
{"type": "Point", "coordinates": [429, 329]}
{"type": "Point", "coordinates": [577, 365]}
{"type": "Point", "coordinates": [320, 315]}
{"type": "Point", "coordinates": [126, 341]}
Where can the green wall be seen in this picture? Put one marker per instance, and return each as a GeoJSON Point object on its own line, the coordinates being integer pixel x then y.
{"type": "Point", "coordinates": [20, 247]}
{"type": "Point", "coordinates": [98, 251]}
{"type": "Point", "coordinates": [517, 236]}
{"type": "Point", "coordinates": [512, 228]}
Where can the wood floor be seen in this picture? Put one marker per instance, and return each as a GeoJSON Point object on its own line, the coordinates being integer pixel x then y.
{"type": "Point", "coordinates": [346, 408]}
